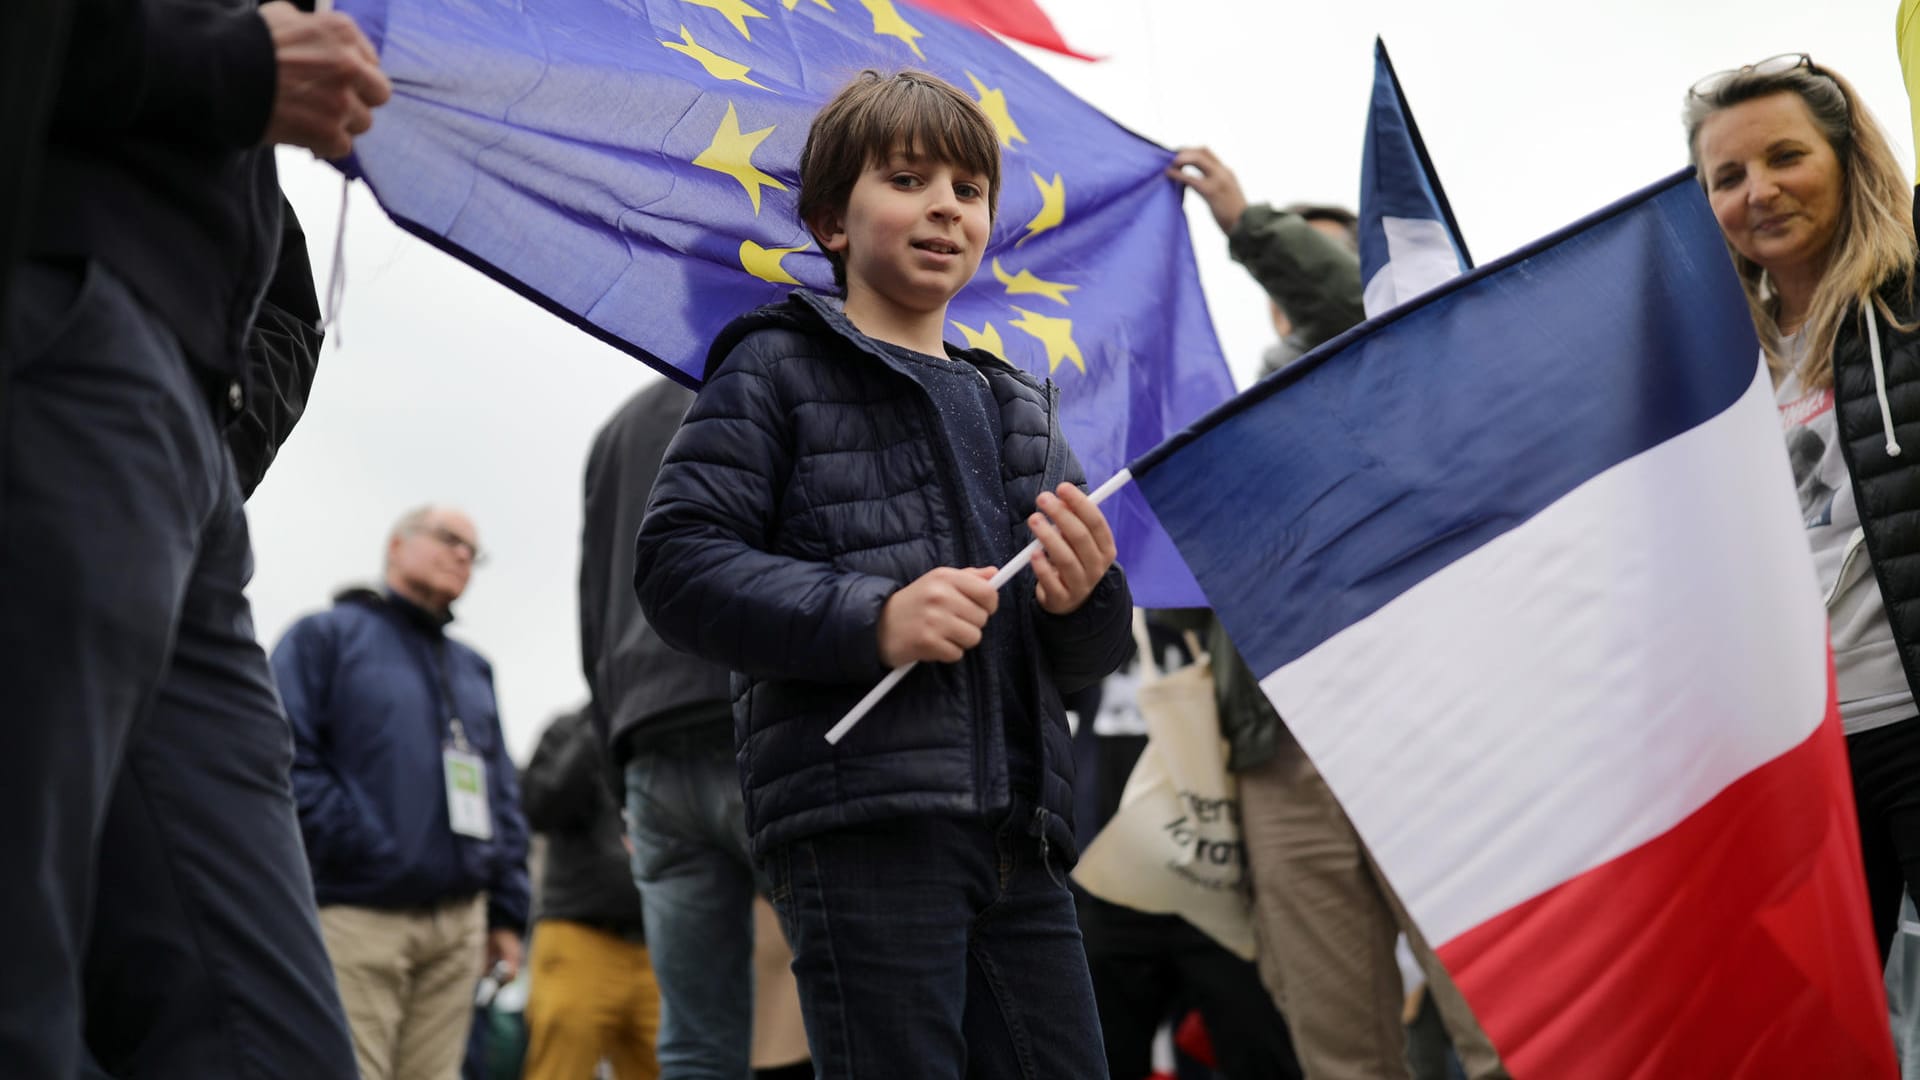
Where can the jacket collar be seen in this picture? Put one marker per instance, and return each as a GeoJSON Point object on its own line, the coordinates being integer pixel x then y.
{"type": "Point", "coordinates": [806, 311]}
{"type": "Point", "coordinates": [427, 622]}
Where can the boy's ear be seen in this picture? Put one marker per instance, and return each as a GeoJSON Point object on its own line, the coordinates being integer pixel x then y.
{"type": "Point", "coordinates": [829, 231]}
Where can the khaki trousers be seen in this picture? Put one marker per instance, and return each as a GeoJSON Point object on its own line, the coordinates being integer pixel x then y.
{"type": "Point", "coordinates": [593, 996]}
{"type": "Point", "coordinates": [407, 979]}
{"type": "Point", "coordinates": [1326, 922]}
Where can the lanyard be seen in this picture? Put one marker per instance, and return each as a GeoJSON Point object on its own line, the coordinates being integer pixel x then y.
{"type": "Point", "coordinates": [455, 729]}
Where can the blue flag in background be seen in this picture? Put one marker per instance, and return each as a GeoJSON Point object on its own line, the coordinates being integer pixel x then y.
{"type": "Point", "coordinates": [632, 167]}
{"type": "Point", "coordinates": [1409, 241]}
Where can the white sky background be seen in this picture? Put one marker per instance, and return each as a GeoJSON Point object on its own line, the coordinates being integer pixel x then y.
{"type": "Point", "coordinates": [449, 388]}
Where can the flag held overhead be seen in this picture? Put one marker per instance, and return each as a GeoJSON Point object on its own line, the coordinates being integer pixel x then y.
{"type": "Point", "coordinates": [633, 169]}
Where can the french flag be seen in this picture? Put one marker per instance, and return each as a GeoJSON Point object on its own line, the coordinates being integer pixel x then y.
{"type": "Point", "coordinates": [1521, 565]}
{"type": "Point", "coordinates": [1409, 240]}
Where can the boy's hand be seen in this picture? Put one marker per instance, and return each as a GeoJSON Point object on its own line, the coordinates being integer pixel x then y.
{"type": "Point", "coordinates": [1076, 547]}
{"type": "Point", "coordinates": [937, 617]}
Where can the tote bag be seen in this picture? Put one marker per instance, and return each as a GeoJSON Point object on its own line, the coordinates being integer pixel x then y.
{"type": "Point", "coordinates": [1174, 846]}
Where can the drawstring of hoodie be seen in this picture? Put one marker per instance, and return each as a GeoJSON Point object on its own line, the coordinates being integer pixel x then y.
{"type": "Point", "coordinates": [1880, 381]}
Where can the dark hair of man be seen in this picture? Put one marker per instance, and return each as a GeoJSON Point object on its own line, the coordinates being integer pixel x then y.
{"type": "Point", "coordinates": [878, 115]}
{"type": "Point", "coordinates": [1339, 215]}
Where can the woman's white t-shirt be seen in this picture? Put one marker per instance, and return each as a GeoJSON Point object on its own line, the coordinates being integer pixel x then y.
{"type": "Point", "coordinates": [1873, 686]}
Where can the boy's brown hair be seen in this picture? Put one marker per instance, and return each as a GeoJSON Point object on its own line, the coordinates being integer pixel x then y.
{"type": "Point", "coordinates": [877, 114]}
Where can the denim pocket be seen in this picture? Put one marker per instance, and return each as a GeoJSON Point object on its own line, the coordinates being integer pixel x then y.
{"type": "Point", "coordinates": [778, 866]}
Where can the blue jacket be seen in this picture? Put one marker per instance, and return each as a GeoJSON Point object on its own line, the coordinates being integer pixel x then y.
{"type": "Point", "coordinates": [362, 686]}
{"type": "Point", "coordinates": [811, 479]}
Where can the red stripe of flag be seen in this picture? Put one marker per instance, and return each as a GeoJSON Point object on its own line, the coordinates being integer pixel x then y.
{"type": "Point", "coordinates": [1737, 944]}
{"type": "Point", "coordinates": [1021, 20]}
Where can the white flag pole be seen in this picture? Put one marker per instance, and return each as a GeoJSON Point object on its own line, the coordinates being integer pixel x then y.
{"type": "Point", "coordinates": [1005, 574]}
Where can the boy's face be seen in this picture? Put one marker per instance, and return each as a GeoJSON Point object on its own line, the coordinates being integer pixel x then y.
{"type": "Point", "coordinates": [912, 233]}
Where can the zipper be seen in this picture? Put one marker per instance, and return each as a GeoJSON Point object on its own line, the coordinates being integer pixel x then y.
{"type": "Point", "coordinates": [970, 663]}
{"type": "Point", "coordinates": [1855, 545]}
{"type": "Point", "coordinates": [1049, 476]}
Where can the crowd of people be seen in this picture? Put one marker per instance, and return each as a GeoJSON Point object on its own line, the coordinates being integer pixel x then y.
{"type": "Point", "coordinates": [316, 863]}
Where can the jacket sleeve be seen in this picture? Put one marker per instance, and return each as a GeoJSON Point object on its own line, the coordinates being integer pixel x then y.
{"type": "Point", "coordinates": [1090, 642]}
{"type": "Point", "coordinates": [596, 557]}
{"type": "Point", "coordinates": [337, 829]}
{"type": "Point", "coordinates": [561, 788]}
{"type": "Point", "coordinates": [283, 354]}
{"type": "Point", "coordinates": [509, 897]}
{"type": "Point", "coordinates": [186, 71]}
{"type": "Point", "coordinates": [1313, 277]}
{"type": "Point", "coordinates": [706, 579]}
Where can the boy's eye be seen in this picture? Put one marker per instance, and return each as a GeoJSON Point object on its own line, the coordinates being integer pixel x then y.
{"type": "Point", "coordinates": [905, 180]}
{"type": "Point", "coordinates": [966, 190]}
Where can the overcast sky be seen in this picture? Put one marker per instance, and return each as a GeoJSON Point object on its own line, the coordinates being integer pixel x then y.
{"type": "Point", "coordinates": [445, 387]}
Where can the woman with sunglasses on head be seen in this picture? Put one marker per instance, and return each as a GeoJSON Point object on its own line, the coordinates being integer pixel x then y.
{"type": "Point", "coordinates": [1818, 214]}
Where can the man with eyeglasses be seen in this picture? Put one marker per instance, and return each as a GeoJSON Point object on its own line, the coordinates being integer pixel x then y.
{"type": "Point", "coordinates": [408, 801]}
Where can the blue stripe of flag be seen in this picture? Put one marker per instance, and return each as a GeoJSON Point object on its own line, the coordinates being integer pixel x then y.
{"type": "Point", "coordinates": [1323, 493]}
{"type": "Point", "coordinates": [1396, 174]}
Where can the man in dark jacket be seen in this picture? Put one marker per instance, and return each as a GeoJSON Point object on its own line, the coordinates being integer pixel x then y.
{"type": "Point", "coordinates": [408, 801]}
{"type": "Point", "coordinates": [593, 994]}
{"type": "Point", "coordinates": [158, 905]}
{"type": "Point", "coordinates": [669, 733]}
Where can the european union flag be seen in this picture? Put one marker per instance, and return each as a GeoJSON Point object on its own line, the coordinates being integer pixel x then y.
{"type": "Point", "coordinates": [631, 165]}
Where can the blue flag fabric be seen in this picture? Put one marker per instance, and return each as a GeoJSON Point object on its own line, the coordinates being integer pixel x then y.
{"type": "Point", "coordinates": [1409, 241]}
{"type": "Point", "coordinates": [1536, 373]}
{"type": "Point", "coordinates": [632, 167]}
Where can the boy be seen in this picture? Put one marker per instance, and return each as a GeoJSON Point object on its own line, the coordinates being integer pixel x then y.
{"type": "Point", "coordinates": [807, 530]}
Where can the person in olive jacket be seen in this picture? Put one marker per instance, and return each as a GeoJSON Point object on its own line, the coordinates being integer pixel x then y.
{"type": "Point", "coordinates": [1327, 919]}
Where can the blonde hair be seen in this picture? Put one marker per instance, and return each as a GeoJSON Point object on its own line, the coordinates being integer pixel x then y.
{"type": "Point", "coordinates": [1874, 239]}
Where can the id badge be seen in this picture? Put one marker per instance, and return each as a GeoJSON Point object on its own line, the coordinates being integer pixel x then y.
{"type": "Point", "coordinates": [467, 808]}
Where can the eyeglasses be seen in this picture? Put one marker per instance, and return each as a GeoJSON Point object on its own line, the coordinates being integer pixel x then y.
{"type": "Point", "coordinates": [1772, 65]}
{"type": "Point", "coordinates": [454, 540]}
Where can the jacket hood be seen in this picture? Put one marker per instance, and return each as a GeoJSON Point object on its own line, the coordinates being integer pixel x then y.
{"type": "Point", "coordinates": [805, 312]}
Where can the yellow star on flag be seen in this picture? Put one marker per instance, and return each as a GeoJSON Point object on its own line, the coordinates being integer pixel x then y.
{"type": "Point", "coordinates": [1053, 207]}
{"type": "Point", "coordinates": [736, 12]}
{"type": "Point", "coordinates": [1056, 334]}
{"type": "Point", "coordinates": [888, 23]}
{"type": "Point", "coordinates": [732, 153]}
{"type": "Point", "coordinates": [987, 337]}
{"type": "Point", "coordinates": [717, 66]}
{"type": "Point", "coordinates": [994, 104]}
{"type": "Point", "coordinates": [764, 263]}
{"type": "Point", "coordinates": [1025, 282]}
{"type": "Point", "coordinates": [792, 3]}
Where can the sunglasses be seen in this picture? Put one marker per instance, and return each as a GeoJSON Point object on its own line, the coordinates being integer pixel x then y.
{"type": "Point", "coordinates": [1772, 65]}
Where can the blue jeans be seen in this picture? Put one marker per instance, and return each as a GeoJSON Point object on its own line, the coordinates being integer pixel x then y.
{"type": "Point", "coordinates": [697, 885]}
{"type": "Point", "coordinates": [937, 947]}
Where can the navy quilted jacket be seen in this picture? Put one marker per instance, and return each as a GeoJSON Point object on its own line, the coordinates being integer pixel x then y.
{"type": "Point", "coordinates": [810, 480]}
